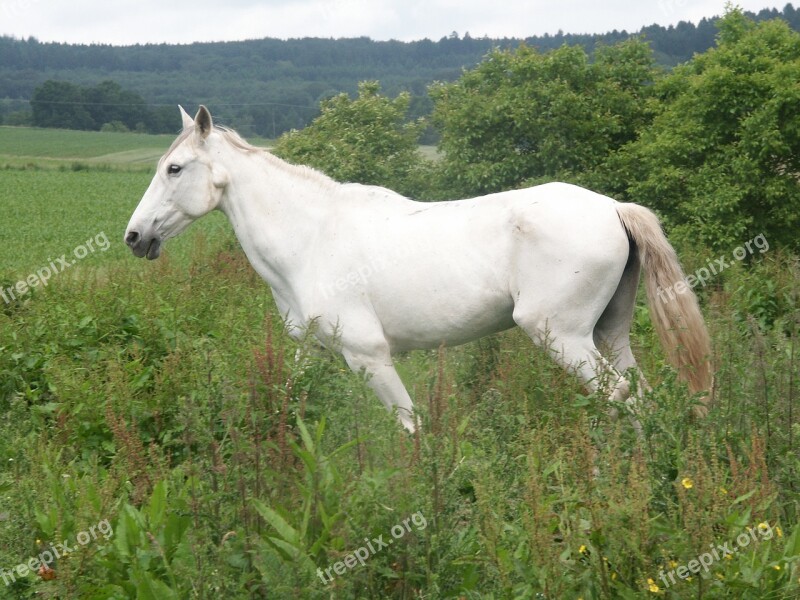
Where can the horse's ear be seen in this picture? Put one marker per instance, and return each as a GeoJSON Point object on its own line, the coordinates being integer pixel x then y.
{"type": "Point", "coordinates": [185, 118]}
{"type": "Point", "coordinates": [202, 122]}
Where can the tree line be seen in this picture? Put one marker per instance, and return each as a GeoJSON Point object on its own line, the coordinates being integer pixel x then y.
{"type": "Point", "coordinates": [269, 86]}
{"type": "Point", "coordinates": [105, 106]}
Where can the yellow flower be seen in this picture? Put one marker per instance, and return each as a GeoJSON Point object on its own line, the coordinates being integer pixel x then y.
{"type": "Point", "coordinates": [777, 567]}
{"type": "Point", "coordinates": [687, 483]}
{"type": "Point", "coordinates": [673, 564]}
{"type": "Point", "coordinates": [778, 530]}
{"type": "Point", "coordinates": [582, 549]}
{"type": "Point", "coordinates": [651, 585]}
{"type": "Point", "coordinates": [763, 526]}
{"type": "Point", "coordinates": [38, 541]}
{"type": "Point", "coordinates": [723, 491]}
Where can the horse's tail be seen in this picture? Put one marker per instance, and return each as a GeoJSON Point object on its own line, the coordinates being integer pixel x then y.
{"type": "Point", "coordinates": [673, 305]}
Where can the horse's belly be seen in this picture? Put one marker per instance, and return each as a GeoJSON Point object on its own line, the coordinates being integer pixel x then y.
{"type": "Point", "coordinates": [430, 320]}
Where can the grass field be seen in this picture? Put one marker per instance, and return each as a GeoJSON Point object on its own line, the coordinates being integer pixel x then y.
{"type": "Point", "coordinates": [59, 188]}
{"type": "Point", "coordinates": [160, 426]}
{"type": "Point", "coordinates": [51, 146]}
{"type": "Point", "coordinates": [42, 148]}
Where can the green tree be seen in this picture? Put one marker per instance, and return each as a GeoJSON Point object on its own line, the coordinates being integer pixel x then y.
{"type": "Point", "coordinates": [105, 106]}
{"type": "Point", "coordinates": [722, 159]}
{"type": "Point", "coordinates": [60, 104]}
{"type": "Point", "coordinates": [523, 116]}
{"type": "Point", "coordinates": [364, 140]}
{"type": "Point", "coordinates": [108, 103]}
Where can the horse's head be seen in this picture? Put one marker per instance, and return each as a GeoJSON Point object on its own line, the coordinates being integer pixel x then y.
{"type": "Point", "coordinates": [186, 186]}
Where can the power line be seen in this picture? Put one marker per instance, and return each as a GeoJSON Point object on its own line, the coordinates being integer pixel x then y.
{"type": "Point", "coordinates": [152, 104]}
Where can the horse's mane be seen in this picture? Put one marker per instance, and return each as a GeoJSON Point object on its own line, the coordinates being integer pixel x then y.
{"type": "Point", "coordinates": [237, 141]}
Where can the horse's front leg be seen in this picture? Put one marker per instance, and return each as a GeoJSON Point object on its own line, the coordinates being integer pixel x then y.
{"type": "Point", "coordinates": [383, 379]}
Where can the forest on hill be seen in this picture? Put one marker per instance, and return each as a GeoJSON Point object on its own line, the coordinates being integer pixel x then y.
{"type": "Point", "coordinates": [268, 86]}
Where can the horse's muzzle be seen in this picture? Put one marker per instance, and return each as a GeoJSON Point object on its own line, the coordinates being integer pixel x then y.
{"type": "Point", "coordinates": [143, 247]}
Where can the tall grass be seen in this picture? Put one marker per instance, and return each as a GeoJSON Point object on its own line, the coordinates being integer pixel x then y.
{"type": "Point", "coordinates": [233, 462]}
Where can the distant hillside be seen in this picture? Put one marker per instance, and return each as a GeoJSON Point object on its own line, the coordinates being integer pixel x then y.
{"type": "Point", "coordinates": [267, 86]}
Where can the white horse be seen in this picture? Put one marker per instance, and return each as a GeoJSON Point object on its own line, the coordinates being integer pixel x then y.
{"type": "Point", "coordinates": [376, 273]}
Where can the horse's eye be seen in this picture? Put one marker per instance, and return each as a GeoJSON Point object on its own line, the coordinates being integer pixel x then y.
{"type": "Point", "coordinates": [174, 169]}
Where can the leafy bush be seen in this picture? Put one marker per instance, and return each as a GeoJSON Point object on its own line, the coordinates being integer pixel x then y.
{"type": "Point", "coordinates": [362, 140]}
{"type": "Point", "coordinates": [527, 116]}
{"type": "Point", "coordinates": [720, 160]}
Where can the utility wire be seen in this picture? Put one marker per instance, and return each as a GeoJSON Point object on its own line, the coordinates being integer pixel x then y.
{"type": "Point", "coordinates": [151, 104]}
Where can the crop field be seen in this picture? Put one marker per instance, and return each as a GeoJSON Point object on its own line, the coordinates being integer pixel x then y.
{"type": "Point", "coordinates": [163, 438]}
{"type": "Point", "coordinates": [38, 146]}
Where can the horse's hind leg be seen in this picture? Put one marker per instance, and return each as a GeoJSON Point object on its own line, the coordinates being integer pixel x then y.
{"type": "Point", "coordinates": [573, 347]}
{"type": "Point", "coordinates": [612, 332]}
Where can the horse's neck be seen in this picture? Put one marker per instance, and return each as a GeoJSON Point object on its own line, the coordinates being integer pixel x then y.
{"type": "Point", "coordinates": [275, 210]}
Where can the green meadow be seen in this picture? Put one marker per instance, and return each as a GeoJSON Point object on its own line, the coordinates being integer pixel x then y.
{"type": "Point", "coordinates": [163, 438]}
{"type": "Point", "coordinates": [64, 147]}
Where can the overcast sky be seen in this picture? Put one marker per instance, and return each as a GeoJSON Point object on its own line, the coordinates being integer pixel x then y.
{"type": "Point", "coordinates": [184, 21]}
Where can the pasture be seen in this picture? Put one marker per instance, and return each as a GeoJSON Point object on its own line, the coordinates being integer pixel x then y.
{"type": "Point", "coordinates": [162, 437]}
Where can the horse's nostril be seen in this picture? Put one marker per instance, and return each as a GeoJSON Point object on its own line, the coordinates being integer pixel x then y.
{"type": "Point", "coordinates": [132, 238]}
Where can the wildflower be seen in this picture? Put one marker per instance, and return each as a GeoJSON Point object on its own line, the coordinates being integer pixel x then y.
{"type": "Point", "coordinates": [687, 483]}
{"type": "Point", "coordinates": [46, 573]}
{"type": "Point", "coordinates": [673, 564]}
{"type": "Point", "coordinates": [651, 585]}
{"type": "Point", "coordinates": [583, 550]}
{"type": "Point", "coordinates": [777, 567]}
{"type": "Point", "coordinates": [723, 491]}
{"type": "Point", "coordinates": [778, 530]}
{"type": "Point", "coordinates": [763, 526]}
